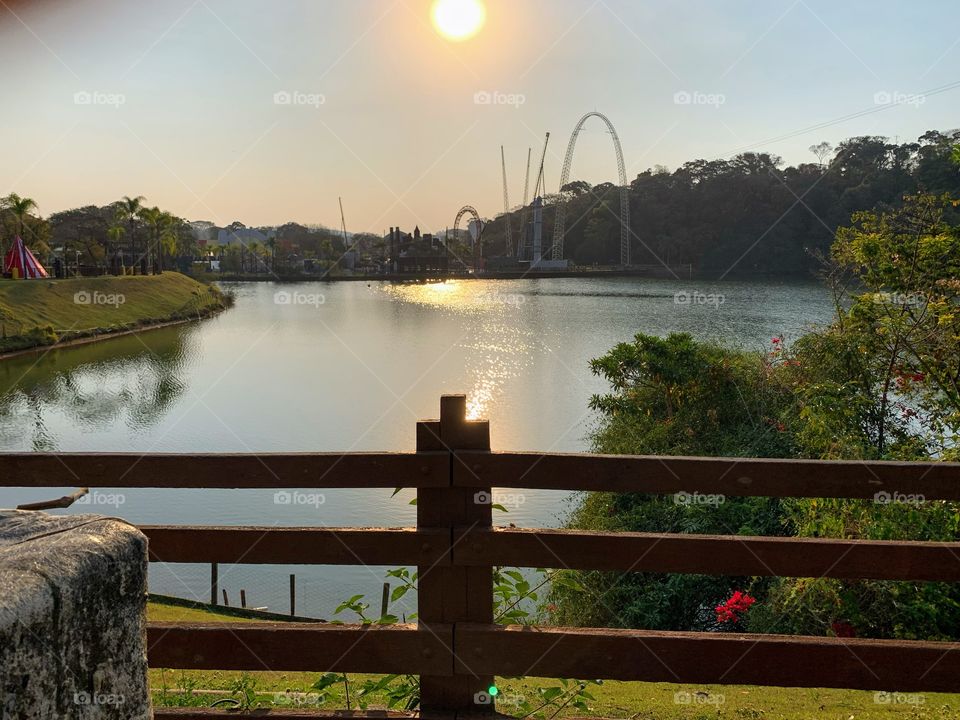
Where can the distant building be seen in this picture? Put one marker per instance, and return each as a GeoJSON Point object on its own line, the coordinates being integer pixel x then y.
{"type": "Point", "coordinates": [413, 252]}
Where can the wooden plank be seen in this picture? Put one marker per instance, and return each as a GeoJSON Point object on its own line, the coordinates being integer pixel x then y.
{"type": "Point", "coordinates": [709, 554]}
{"type": "Point", "coordinates": [709, 658]}
{"type": "Point", "coordinates": [300, 646]}
{"type": "Point", "coordinates": [297, 545]}
{"type": "Point", "coordinates": [286, 714]}
{"type": "Point", "coordinates": [719, 476]}
{"type": "Point", "coordinates": [227, 470]}
{"type": "Point", "coordinates": [449, 595]}
{"type": "Point", "coordinates": [303, 714]}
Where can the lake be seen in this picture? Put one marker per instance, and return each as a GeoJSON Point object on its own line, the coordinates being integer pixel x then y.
{"type": "Point", "coordinates": [351, 366]}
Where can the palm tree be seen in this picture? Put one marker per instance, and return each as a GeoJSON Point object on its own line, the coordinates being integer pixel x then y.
{"type": "Point", "coordinates": [153, 219]}
{"type": "Point", "coordinates": [254, 248]}
{"type": "Point", "coordinates": [167, 238]}
{"type": "Point", "coordinates": [130, 208]}
{"type": "Point", "coordinates": [272, 244]}
{"type": "Point", "coordinates": [20, 208]}
{"type": "Point", "coordinates": [115, 233]}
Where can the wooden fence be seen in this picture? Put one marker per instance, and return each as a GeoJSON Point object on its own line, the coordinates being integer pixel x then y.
{"type": "Point", "coordinates": [456, 648]}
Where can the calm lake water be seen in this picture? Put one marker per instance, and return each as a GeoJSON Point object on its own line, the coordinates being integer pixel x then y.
{"type": "Point", "coordinates": [350, 367]}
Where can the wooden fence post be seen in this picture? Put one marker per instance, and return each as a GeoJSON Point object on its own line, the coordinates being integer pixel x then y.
{"type": "Point", "coordinates": [214, 582]}
{"type": "Point", "coordinates": [454, 594]}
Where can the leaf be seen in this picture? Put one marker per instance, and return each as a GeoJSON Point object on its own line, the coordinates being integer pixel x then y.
{"type": "Point", "coordinates": [398, 592]}
{"type": "Point", "coordinates": [551, 693]}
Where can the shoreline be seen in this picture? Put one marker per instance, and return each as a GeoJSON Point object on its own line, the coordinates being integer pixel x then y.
{"type": "Point", "coordinates": [94, 336]}
{"type": "Point", "coordinates": [503, 275]}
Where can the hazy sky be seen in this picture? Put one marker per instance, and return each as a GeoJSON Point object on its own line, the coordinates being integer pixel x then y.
{"type": "Point", "coordinates": [177, 100]}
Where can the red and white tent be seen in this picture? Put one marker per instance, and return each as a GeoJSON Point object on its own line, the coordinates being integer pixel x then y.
{"type": "Point", "coordinates": [21, 259]}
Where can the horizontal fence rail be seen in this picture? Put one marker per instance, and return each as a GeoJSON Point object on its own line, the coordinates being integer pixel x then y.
{"type": "Point", "coordinates": [746, 477]}
{"type": "Point", "coordinates": [715, 658]}
{"type": "Point", "coordinates": [456, 648]}
{"type": "Point", "coordinates": [226, 471]}
{"type": "Point", "coordinates": [301, 646]}
{"type": "Point", "coordinates": [710, 554]}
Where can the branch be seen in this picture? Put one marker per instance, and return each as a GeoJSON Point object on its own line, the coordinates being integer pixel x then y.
{"type": "Point", "coordinates": [65, 501]}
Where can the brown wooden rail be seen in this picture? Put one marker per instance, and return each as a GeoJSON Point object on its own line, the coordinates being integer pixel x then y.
{"type": "Point", "coordinates": [456, 648]}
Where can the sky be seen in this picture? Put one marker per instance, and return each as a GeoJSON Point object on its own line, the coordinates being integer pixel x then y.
{"type": "Point", "coordinates": [267, 112]}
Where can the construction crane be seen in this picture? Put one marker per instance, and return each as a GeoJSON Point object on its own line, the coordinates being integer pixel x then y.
{"type": "Point", "coordinates": [538, 190]}
{"type": "Point", "coordinates": [506, 206]}
{"type": "Point", "coordinates": [522, 245]}
{"type": "Point", "coordinates": [343, 223]}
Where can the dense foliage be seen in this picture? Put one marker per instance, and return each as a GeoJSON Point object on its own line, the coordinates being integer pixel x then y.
{"type": "Point", "coordinates": [747, 214]}
{"type": "Point", "coordinates": [880, 382]}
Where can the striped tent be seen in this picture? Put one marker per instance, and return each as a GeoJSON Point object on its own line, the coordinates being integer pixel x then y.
{"type": "Point", "coordinates": [21, 263]}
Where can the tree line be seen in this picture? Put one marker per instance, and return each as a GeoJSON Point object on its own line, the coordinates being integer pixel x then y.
{"type": "Point", "coordinates": [124, 236]}
{"type": "Point", "coordinates": [748, 214]}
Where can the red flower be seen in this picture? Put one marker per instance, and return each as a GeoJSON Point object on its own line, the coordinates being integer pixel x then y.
{"type": "Point", "coordinates": [843, 629]}
{"type": "Point", "coordinates": [731, 610]}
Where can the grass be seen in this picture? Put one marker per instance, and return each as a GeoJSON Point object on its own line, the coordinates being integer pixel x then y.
{"type": "Point", "coordinates": [43, 312]}
{"type": "Point", "coordinates": [163, 612]}
{"type": "Point", "coordinates": [634, 700]}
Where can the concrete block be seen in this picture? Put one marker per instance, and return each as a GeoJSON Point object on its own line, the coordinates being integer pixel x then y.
{"type": "Point", "coordinates": [72, 618]}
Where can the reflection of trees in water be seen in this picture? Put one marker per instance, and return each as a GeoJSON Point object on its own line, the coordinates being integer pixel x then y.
{"type": "Point", "coordinates": [133, 379]}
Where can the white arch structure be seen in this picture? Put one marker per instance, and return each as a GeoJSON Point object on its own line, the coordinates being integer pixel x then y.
{"type": "Point", "coordinates": [477, 246]}
{"type": "Point", "coordinates": [559, 227]}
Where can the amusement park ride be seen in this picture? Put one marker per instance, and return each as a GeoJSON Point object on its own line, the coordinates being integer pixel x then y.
{"type": "Point", "coordinates": [529, 246]}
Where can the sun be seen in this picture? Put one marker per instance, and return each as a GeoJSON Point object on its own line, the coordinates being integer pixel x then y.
{"type": "Point", "coordinates": [458, 19]}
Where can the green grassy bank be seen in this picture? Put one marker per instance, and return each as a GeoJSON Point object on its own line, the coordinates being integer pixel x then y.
{"type": "Point", "coordinates": [44, 312]}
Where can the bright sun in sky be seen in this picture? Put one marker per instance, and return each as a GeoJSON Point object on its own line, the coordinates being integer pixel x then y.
{"type": "Point", "coordinates": [458, 19]}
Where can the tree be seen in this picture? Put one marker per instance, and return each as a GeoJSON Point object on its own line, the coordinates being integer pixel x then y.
{"type": "Point", "coordinates": [903, 312]}
{"type": "Point", "coordinates": [130, 209]}
{"type": "Point", "coordinates": [822, 150]}
{"type": "Point", "coordinates": [153, 218]}
{"type": "Point", "coordinates": [20, 208]}
{"type": "Point", "coordinates": [18, 220]}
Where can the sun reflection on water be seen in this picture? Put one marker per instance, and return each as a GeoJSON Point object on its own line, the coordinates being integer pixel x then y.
{"type": "Point", "coordinates": [498, 340]}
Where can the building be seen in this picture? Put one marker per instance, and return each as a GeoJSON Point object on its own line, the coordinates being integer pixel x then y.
{"type": "Point", "coordinates": [416, 253]}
